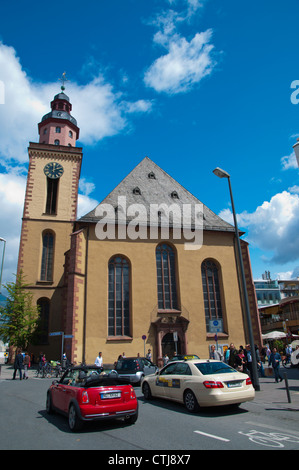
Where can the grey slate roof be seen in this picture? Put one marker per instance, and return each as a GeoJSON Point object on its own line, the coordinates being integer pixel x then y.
{"type": "Point", "coordinates": [148, 184]}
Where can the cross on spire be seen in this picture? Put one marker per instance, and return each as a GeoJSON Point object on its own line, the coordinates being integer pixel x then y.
{"type": "Point", "coordinates": [63, 79]}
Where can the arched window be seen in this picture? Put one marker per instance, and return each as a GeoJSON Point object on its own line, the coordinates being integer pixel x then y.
{"type": "Point", "coordinates": [57, 142]}
{"type": "Point", "coordinates": [166, 277]}
{"type": "Point", "coordinates": [119, 297]}
{"type": "Point", "coordinates": [58, 130]}
{"type": "Point", "coordinates": [43, 321]}
{"type": "Point", "coordinates": [212, 297]}
{"type": "Point", "coordinates": [47, 257]}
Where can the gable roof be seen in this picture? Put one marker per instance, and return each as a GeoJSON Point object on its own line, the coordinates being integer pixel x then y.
{"type": "Point", "coordinates": [148, 184]}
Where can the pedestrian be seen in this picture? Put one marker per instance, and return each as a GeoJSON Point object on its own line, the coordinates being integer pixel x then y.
{"type": "Point", "coordinates": [18, 364]}
{"type": "Point", "coordinates": [289, 351]}
{"type": "Point", "coordinates": [240, 361]}
{"type": "Point", "coordinates": [259, 362]}
{"type": "Point", "coordinates": [99, 360]}
{"type": "Point", "coordinates": [248, 360]}
{"type": "Point", "coordinates": [64, 361]}
{"type": "Point", "coordinates": [268, 353]}
{"type": "Point", "coordinates": [41, 361]}
{"type": "Point", "coordinates": [232, 355]}
{"type": "Point", "coordinates": [275, 359]}
{"type": "Point", "coordinates": [214, 354]}
{"type": "Point", "coordinates": [26, 365]}
{"type": "Point", "coordinates": [149, 355]}
{"type": "Point", "coordinates": [165, 359]}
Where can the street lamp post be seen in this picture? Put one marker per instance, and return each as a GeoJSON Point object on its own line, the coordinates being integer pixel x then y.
{"type": "Point", "coordinates": [223, 174]}
{"type": "Point", "coordinates": [2, 262]}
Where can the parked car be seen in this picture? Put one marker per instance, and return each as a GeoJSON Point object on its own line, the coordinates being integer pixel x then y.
{"type": "Point", "coordinates": [199, 383]}
{"type": "Point", "coordinates": [135, 368]}
{"type": "Point", "coordinates": [88, 393]}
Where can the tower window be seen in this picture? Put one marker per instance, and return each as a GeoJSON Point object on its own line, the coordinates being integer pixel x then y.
{"type": "Point", "coordinates": [52, 190]}
{"type": "Point", "coordinates": [47, 257]}
{"type": "Point", "coordinates": [70, 134]}
{"type": "Point", "coordinates": [57, 142]}
{"type": "Point", "coordinates": [58, 129]}
{"type": "Point", "coordinates": [45, 130]}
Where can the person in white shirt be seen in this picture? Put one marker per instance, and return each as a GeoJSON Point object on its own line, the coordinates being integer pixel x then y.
{"type": "Point", "coordinates": [99, 360]}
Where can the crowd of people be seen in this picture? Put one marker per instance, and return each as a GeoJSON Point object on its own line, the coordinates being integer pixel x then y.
{"type": "Point", "coordinates": [240, 359]}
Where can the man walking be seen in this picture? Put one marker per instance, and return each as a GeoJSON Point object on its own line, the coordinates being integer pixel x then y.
{"type": "Point", "coordinates": [275, 359]}
{"type": "Point", "coordinates": [18, 364]}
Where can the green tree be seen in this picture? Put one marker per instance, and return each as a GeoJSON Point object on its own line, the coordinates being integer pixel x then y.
{"type": "Point", "coordinates": [19, 317]}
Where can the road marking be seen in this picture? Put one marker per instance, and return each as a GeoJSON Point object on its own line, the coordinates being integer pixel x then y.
{"type": "Point", "coordinates": [212, 436]}
{"type": "Point", "coordinates": [271, 427]}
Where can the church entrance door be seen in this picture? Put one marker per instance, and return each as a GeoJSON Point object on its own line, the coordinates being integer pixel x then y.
{"type": "Point", "coordinates": [169, 346]}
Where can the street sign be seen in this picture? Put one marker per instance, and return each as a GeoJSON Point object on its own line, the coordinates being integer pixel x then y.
{"type": "Point", "coordinates": [56, 333]}
{"type": "Point", "coordinates": [68, 336]}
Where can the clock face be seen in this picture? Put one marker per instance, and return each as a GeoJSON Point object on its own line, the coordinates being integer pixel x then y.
{"type": "Point", "coordinates": [53, 170]}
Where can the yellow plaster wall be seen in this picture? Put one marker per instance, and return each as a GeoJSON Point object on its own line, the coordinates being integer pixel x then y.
{"type": "Point", "coordinates": [217, 246]}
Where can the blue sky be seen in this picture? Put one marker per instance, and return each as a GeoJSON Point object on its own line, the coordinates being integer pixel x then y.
{"type": "Point", "coordinates": [193, 84]}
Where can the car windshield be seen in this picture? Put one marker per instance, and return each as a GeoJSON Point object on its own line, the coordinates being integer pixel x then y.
{"type": "Point", "coordinates": [208, 368]}
{"type": "Point", "coordinates": [127, 364]}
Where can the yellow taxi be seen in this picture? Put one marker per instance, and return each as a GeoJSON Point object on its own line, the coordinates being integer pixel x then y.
{"type": "Point", "coordinates": [199, 382]}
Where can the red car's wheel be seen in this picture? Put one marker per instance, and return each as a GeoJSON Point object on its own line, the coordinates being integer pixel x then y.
{"type": "Point", "coordinates": [75, 423]}
{"type": "Point", "coordinates": [49, 407]}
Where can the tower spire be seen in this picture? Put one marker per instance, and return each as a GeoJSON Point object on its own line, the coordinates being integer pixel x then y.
{"type": "Point", "coordinates": [59, 127]}
{"type": "Point", "coordinates": [63, 79]}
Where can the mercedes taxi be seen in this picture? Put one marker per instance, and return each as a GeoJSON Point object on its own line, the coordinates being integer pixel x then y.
{"type": "Point", "coordinates": [197, 383]}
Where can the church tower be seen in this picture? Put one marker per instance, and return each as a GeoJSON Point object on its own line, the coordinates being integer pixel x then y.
{"type": "Point", "coordinates": [50, 210]}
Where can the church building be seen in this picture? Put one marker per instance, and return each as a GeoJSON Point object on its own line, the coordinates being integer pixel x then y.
{"type": "Point", "coordinates": [151, 267]}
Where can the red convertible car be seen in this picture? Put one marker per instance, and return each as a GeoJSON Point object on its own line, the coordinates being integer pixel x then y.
{"type": "Point", "coordinates": [88, 393]}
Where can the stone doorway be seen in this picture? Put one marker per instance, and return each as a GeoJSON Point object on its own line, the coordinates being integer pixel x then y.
{"type": "Point", "coordinates": [169, 347]}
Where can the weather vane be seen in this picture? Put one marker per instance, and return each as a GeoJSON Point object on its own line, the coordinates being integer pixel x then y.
{"type": "Point", "coordinates": [63, 79]}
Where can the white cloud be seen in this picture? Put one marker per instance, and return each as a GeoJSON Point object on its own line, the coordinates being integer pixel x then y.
{"type": "Point", "coordinates": [12, 190]}
{"type": "Point", "coordinates": [273, 227]}
{"type": "Point", "coordinates": [185, 64]}
{"type": "Point", "coordinates": [85, 205]}
{"type": "Point", "coordinates": [289, 162]}
{"type": "Point", "coordinates": [187, 61]}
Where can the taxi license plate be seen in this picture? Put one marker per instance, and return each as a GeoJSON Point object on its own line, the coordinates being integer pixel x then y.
{"type": "Point", "coordinates": [109, 395]}
{"type": "Point", "coordinates": [234, 384]}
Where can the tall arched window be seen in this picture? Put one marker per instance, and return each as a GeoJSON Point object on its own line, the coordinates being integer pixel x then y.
{"type": "Point", "coordinates": [166, 277]}
{"type": "Point", "coordinates": [212, 297]}
{"type": "Point", "coordinates": [43, 321]}
{"type": "Point", "coordinates": [119, 297]}
{"type": "Point", "coordinates": [47, 257]}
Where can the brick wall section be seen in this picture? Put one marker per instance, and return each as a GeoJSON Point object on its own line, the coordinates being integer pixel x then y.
{"type": "Point", "coordinates": [75, 276]}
